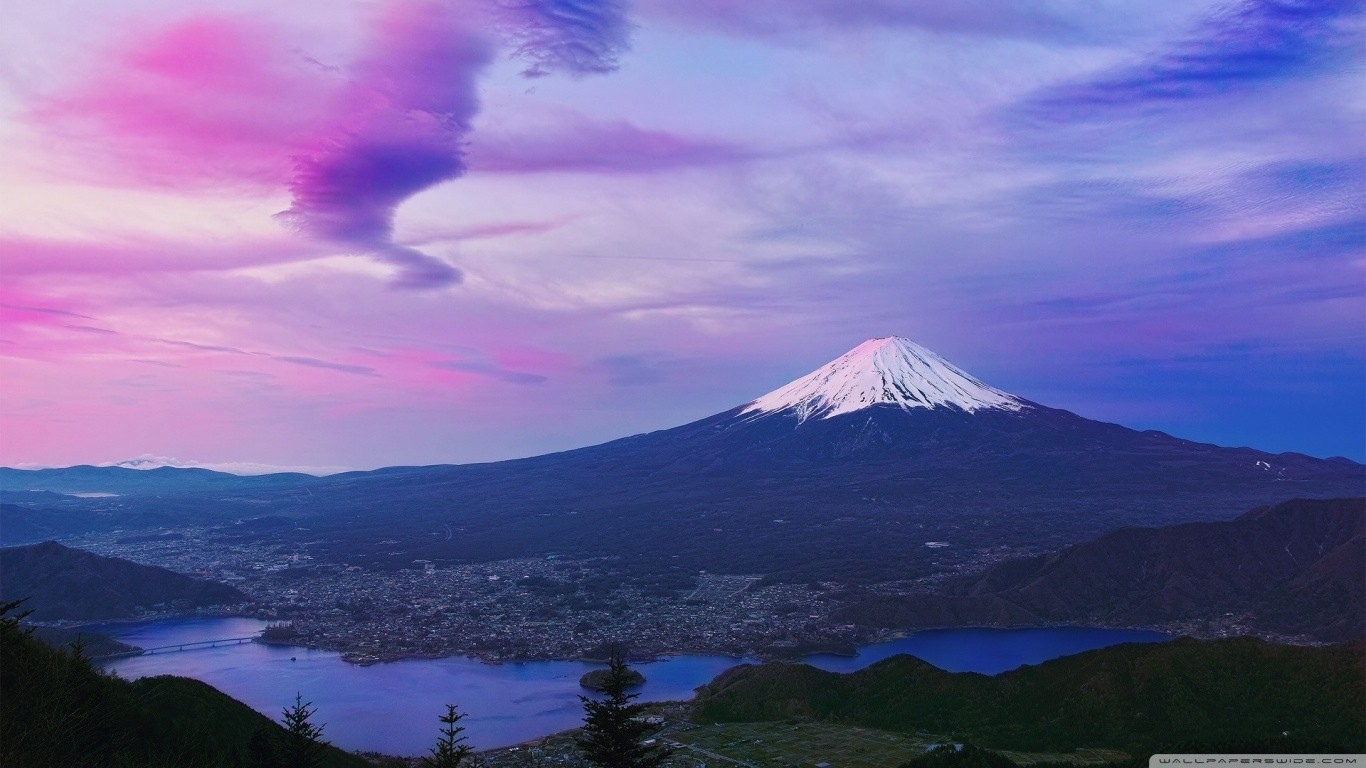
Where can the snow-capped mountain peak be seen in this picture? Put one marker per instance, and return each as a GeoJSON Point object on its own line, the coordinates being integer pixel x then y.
{"type": "Point", "coordinates": [891, 370]}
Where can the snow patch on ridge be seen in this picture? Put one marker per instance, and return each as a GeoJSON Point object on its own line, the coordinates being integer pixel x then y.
{"type": "Point", "coordinates": [891, 370]}
{"type": "Point", "coordinates": [148, 461]}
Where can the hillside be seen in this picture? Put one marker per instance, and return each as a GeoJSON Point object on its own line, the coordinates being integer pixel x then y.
{"type": "Point", "coordinates": [69, 584]}
{"type": "Point", "coordinates": [58, 712]}
{"type": "Point", "coordinates": [1293, 568]}
{"type": "Point", "coordinates": [1131, 697]}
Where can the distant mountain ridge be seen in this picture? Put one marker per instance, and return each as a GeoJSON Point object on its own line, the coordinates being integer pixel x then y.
{"type": "Point", "coordinates": [1294, 568]}
{"type": "Point", "coordinates": [69, 584]}
{"type": "Point", "coordinates": [843, 475]}
{"type": "Point", "coordinates": [86, 478]}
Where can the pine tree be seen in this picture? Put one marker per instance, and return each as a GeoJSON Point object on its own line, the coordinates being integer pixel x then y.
{"type": "Point", "coordinates": [450, 749]}
{"type": "Point", "coordinates": [302, 746]}
{"type": "Point", "coordinates": [613, 731]}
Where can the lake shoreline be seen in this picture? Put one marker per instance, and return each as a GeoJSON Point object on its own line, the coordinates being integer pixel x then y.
{"type": "Point", "coordinates": [513, 703]}
{"type": "Point", "coordinates": [362, 659]}
{"type": "Point", "coordinates": [841, 650]}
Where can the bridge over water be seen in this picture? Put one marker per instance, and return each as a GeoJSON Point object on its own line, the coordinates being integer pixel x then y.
{"type": "Point", "coordinates": [198, 645]}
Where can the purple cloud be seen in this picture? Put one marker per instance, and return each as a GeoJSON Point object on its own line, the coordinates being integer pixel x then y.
{"type": "Point", "coordinates": [577, 37]}
{"type": "Point", "coordinates": [227, 101]}
{"type": "Point", "coordinates": [1252, 42]}
{"type": "Point", "coordinates": [413, 99]}
{"type": "Point", "coordinates": [579, 144]}
{"type": "Point", "coordinates": [491, 370]}
{"type": "Point", "coordinates": [91, 329]}
{"type": "Point", "coordinates": [45, 311]}
{"type": "Point", "coordinates": [785, 18]}
{"type": "Point", "coordinates": [313, 362]}
{"type": "Point", "coordinates": [204, 347]}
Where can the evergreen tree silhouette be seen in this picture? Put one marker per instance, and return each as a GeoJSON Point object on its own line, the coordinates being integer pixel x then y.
{"type": "Point", "coordinates": [302, 745]}
{"type": "Point", "coordinates": [451, 749]}
{"type": "Point", "coordinates": [613, 732]}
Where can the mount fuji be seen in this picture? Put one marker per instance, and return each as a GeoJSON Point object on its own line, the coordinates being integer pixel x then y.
{"type": "Point", "coordinates": [886, 463]}
{"type": "Point", "coordinates": [890, 371]}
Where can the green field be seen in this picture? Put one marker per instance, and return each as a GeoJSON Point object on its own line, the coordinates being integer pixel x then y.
{"type": "Point", "coordinates": [800, 745]}
{"type": "Point", "coordinates": [810, 744]}
{"type": "Point", "coordinates": [1080, 757]}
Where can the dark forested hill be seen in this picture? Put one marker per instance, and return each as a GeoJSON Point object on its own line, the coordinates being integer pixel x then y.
{"type": "Point", "coordinates": [57, 711]}
{"type": "Point", "coordinates": [1292, 568]}
{"type": "Point", "coordinates": [69, 584]}
{"type": "Point", "coordinates": [1133, 697]}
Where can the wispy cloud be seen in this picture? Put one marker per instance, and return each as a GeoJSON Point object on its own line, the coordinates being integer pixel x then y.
{"type": "Point", "coordinates": [815, 17]}
{"type": "Point", "coordinates": [577, 37]}
{"type": "Point", "coordinates": [1238, 47]}
{"type": "Point", "coordinates": [313, 362]}
{"type": "Point", "coordinates": [490, 370]}
{"type": "Point", "coordinates": [582, 145]}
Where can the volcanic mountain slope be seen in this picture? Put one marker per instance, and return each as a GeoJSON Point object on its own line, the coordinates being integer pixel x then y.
{"type": "Point", "coordinates": [1293, 568]}
{"type": "Point", "coordinates": [64, 583]}
{"type": "Point", "coordinates": [844, 474]}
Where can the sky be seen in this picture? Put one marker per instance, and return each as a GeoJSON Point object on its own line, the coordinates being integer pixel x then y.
{"type": "Point", "coordinates": [250, 235]}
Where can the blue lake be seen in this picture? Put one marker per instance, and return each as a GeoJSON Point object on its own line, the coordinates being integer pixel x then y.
{"type": "Point", "coordinates": [393, 707]}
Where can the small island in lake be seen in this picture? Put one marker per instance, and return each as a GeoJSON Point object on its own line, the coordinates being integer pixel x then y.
{"type": "Point", "coordinates": [594, 680]}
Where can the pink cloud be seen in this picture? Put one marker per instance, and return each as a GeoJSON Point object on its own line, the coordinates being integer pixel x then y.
{"type": "Point", "coordinates": [210, 100]}
{"type": "Point", "coordinates": [133, 255]}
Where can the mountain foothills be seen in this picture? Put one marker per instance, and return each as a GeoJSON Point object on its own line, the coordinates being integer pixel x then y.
{"type": "Point", "coordinates": [845, 474]}
{"type": "Point", "coordinates": [64, 584]}
{"type": "Point", "coordinates": [1186, 695]}
{"type": "Point", "coordinates": [1290, 569]}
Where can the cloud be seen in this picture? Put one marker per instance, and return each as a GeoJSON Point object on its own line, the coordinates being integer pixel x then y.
{"type": "Point", "coordinates": [491, 370]}
{"type": "Point", "coordinates": [1252, 42]}
{"type": "Point", "coordinates": [149, 253]}
{"type": "Point", "coordinates": [577, 37]}
{"type": "Point", "coordinates": [578, 144]}
{"type": "Point", "coordinates": [204, 347]}
{"type": "Point", "coordinates": [216, 100]}
{"type": "Point", "coordinates": [410, 100]}
{"type": "Point", "coordinates": [309, 362]}
{"type": "Point", "coordinates": [210, 100]}
{"type": "Point", "coordinates": [630, 370]}
{"type": "Point", "coordinates": [313, 362]}
{"type": "Point", "coordinates": [789, 18]}
{"type": "Point", "coordinates": [91, 329]}
{"type": "Point", "coordinates": [43, 311]}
